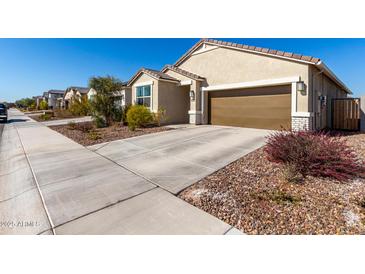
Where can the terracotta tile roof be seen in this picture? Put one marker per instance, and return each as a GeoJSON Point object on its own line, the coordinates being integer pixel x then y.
{"type": "Point", "coordinates": [278, 53]}
{"type": "Point", "coordinates": [158, 74]}
{"type": "Point", "coordinates": [154, 73]}
{"type": "Point", "coordinates": [183, 72]}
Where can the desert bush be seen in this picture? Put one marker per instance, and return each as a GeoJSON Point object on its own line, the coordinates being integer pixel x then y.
{"type": "Point", "coordinates": [62, 113]}
{"type": "Point", "coordinates": [160, 116]}
{"type": "Point", "coordinates": [80, 107]}
{"type": "Point", "coordinates": [138, 116]}
{"type": "Point", "coordinates": [314, 153]}
{"type": "Point", "coordinates": [124, 114]}
{"type": "Point", "coordinates": [290, 174]}
{"type": "Point", "coordinates": [45, 117]}
{"type": "Point", "coordinates": [84, 127]}
{"type": "Point", "coordinates": [94, 135]}
{"type": "Point", "coordinates": [43, 105]}
{"type": "Point", "coordinates": [99, 122]}
{"type": "Point", "coordinates": [276, 195]}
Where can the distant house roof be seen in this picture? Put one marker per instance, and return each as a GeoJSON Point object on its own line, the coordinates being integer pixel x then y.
{"type": "Point", "coordinates": [56, 91]}
{"type": "Point", "coordinates": [183, 72]}
{"type": "Point", "coordinates": [153, 73]}
{"type": "Point", "coordinates": [82, 90]}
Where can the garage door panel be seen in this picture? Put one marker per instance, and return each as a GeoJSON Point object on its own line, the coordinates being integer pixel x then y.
{"type": "Point", "coordinates": [256, 111]}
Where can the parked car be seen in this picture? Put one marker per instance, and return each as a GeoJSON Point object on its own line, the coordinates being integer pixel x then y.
{"type": "Point", "coordinates": [3, 113]}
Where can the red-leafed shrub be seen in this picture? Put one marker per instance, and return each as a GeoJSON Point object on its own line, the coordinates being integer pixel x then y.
{"type": "Point", "coordinates": [314, 153]}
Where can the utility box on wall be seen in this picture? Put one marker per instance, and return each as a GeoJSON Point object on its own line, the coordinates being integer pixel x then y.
{"type": "Point", "coordinates": [362, 113]}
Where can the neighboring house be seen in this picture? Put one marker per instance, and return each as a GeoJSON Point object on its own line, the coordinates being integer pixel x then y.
{"type": "Point", "coordinates": [76, 93]}
{"type": "Point", "coordinates": [38, 100]}
{"type": "Point", "coordinates": [125, 95]}
{"type": "Point", "coordinates": [225, 83]}
{"type": "Point", "coordinates": [52, 96]}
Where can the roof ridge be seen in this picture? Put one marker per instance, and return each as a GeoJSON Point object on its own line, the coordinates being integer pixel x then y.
{"type": "Point", "coordinates": [269, 51]}
{"type": "Point", "coordinates": [266, 51]}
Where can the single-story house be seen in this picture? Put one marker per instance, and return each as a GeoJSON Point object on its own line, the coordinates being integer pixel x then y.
{"type": "Point", "coordinates": [52, 96]}
{"type": "Point", "coordinates": [125, 95]}
{"type": "Point", "coordinates": [224, 83]}
{"type": "Point", "coordinates": [75, 93]}
{"type": "Point", "coordinates": [38, 100]}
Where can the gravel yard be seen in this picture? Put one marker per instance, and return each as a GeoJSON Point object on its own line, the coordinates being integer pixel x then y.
{"type": "Point", "coordinates": [252, 195]}
{"type": "Point", "coordinates": [87, 134]}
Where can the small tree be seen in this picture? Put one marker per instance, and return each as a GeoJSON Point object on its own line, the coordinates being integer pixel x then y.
{"type": "Point", "coordinates": [43, 105]}
{"type": "Point", "coordinates": [103, 104]}
{"type": "Point", "coordinates": [80, 107]}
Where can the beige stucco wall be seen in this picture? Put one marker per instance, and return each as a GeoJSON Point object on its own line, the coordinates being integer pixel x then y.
{"type": "Point", "coordinates": [146, 78]}
{"type": "Point", "coordinates": [223, 66]}
{"type": "Point", "coordinates": [321, 85]}
{"type": "Point", "coordinates": [175, 100]}
{"type": "Point", "coordinates": [69, 95]}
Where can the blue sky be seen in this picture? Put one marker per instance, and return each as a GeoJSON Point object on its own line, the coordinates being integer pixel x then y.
{"type": "Point", "coordinates": [29, 67]}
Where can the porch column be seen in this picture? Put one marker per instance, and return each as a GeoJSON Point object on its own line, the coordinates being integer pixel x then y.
{"type": "Point", "coordinates": [195, 113]}
{"type": "Point", "coordinates": [300, 120]}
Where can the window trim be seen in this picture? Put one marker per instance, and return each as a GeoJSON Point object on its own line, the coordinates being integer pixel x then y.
{"type": "Point", "coordinates": [151, 94]}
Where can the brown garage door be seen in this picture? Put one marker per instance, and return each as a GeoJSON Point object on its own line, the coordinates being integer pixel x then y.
{"type": "Point", "coordinates": [267, 107]}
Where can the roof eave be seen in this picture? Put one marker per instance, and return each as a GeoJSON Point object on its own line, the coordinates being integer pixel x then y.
{"type": "Point", "coordinates": [151, 75]}
{"type": "Point", "coordinates": [322, 66]}
{"type": "Point", "coordinates": [165, 68]}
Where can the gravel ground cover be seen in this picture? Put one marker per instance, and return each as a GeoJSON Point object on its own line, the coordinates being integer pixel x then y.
{"type": "Point", "coordinates": [87, 134]}
{"type": "Point", "coordinates": [252, 195]}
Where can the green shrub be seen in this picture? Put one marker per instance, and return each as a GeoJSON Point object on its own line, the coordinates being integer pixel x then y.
{"type": "Point", "coordinates": [160, 116]}
{"type": "Point", "coordinates": [43, 105]}
{"type": "Point", "coordinates": [94, 135]}
{"type": "Point", "coordinates": [124, 114]}
{"type": "Point", "coordinates": [117, 114]}
{"type": "Point", "coordinates": [45, 117]}
{"type": "Point", "coordinates": [80, 107]}
{"type": "Point", "coordinates": [62, 113]}
{"type": "Point", "coordinates": [138, 116]}
{"type": "Point", "coordinates": [99, 121]}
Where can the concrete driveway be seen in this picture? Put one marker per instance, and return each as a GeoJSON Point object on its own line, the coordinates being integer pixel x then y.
{"type": "Point", "coordinates": [176, 159]}
{"type": "Point", "coordinates": [56, 186]}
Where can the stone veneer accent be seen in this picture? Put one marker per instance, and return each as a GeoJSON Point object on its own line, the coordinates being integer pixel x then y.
{"type": "Point", "coordinates": [301, 123]}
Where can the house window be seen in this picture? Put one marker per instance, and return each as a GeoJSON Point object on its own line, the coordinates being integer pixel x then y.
{"type": "Point", "coordinates": [143, 96]}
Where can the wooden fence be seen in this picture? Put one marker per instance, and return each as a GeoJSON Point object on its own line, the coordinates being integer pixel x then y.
{"type": "Point", "coordinates": [346, 114]}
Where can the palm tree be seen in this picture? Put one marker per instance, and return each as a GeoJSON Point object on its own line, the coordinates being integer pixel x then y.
{"type": "Point", "coordinates": [103, 103]}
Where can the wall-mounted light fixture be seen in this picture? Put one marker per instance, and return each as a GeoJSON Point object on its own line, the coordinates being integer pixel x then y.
{"type": "Point", "coordinates": [192, 95]}
{"type": "Point", "coordinates": [300, 86]}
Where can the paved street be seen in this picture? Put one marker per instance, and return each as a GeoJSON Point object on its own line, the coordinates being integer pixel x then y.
{"type": "Point", "coordinates": [124, 187]}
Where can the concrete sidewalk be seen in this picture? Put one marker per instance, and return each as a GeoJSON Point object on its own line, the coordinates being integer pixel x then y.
{"type": "Point", "coordinates": [82, 192]}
